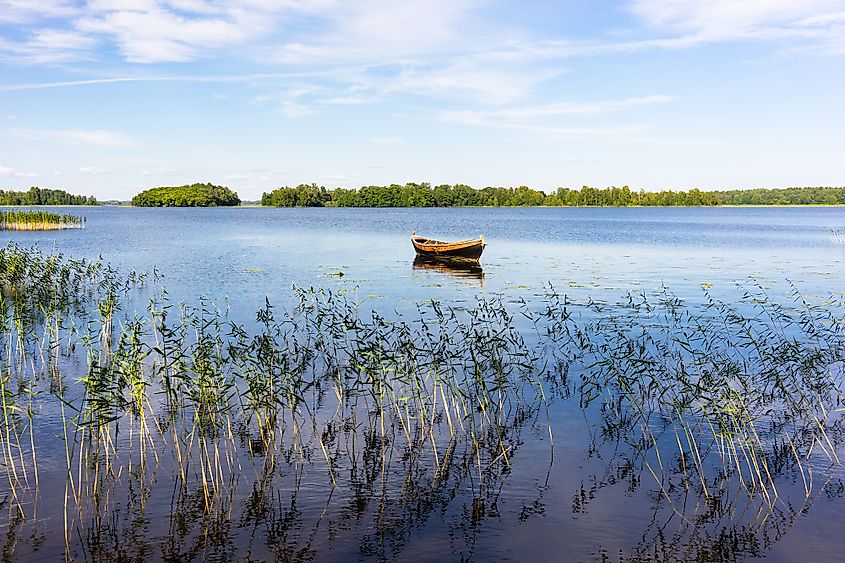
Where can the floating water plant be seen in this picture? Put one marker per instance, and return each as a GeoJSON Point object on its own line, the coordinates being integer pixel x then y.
{"type": "Point", "coordinates": [31, 220]}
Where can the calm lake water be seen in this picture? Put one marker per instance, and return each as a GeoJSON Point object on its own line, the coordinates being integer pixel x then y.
{"type": "Point", "coordinates": [247, 254]}
{"type": "Point", "coordinates": [587, 497]}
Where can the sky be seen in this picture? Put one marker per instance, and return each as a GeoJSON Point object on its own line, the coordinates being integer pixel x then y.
{"type": "Point", "coordinates": [109, 97]}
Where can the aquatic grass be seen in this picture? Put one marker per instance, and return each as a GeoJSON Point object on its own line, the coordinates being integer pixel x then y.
{"type": "Point", "coordinates": [725, 372]}
{"type": "Point", "coordinates": [36, 220]}
{"type": "Point", "coordinates": [701, 400]}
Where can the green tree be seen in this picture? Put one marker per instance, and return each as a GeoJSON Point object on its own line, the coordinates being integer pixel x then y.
{"type": "Point", "coordinates": [194, 195]}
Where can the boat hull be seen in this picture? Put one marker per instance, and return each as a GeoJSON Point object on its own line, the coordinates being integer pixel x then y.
{"type": "Point", "coordinates": [465, 249]}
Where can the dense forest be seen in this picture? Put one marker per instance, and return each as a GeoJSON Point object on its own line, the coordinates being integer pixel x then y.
{"type": "Point", "coordinates": [461, 195]}
{"type": "Point", "coordinates": [784, 196]}
{"type": "Point", "coordinates": [44, 196]}
{"type": "Point", "coordinates": [195, 195]}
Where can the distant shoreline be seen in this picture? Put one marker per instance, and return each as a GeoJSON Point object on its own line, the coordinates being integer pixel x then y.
{"type": "Point", "coordinates": [259, 206]}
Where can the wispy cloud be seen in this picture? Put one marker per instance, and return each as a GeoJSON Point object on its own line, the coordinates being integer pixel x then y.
{"type": "Point", "coordinates": [162, 172]}
{"type": "Point", "coordinates": [541, 118]}
{"type": "Point", "coordinates": [47, 46]}
{"type": "Point", "coordinates": [91, 171]}
{"type": "Point", "coordinates": [559, 130]}
{"type": "Point", "coordinates": [387, 140]}
{"type": "Point", "coordinates": [157, 34]}
{"type": "Point", "coordinates": [292, 102]}
{"type": "Point", "coordinates": [29, 11]}
{"type": "Point", "coordinates": [469, 78]}
{"type": "Point", "coordinates": [9, 171]}
{"type": "Point", "coordinates": [346, 100]}
{"type": "Point", "coordinates": [731, 18]}
{"type": "Point", "coordinates": [147, 31]}
{"type": "Point", "coordinates": [554, 109]}
{"type": "Point", "coordinates": [333, 177]}
{"type": "Point", "coordinates": [209, 78]}
{"type": "Point", "coordinates": [70, 83]}
{"type": "Point", "coordinates": [382, 30]}
{"type": "Point", "coordinates": [809, 23]}
{"type": "Point", "coordinates": [95, 137]}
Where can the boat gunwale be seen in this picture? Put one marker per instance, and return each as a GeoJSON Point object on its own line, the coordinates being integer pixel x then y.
{"type": "Point", "coordinates": [435, 245]}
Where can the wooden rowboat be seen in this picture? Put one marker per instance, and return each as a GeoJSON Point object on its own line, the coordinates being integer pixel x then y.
{"type": "Point", "coordinates": [469, 249]}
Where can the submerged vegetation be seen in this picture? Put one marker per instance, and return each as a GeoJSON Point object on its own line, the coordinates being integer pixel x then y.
{"type": "Point", "coordinates": [31, 220]}
{"type": "Point", "coordinates": [44, 196]}
{"type": "Point", "coordinates": [195, 195]}
{"type": "Point", "coordinates": [395, 419]}
{"type": "Point", "coordinates": [461, 195]}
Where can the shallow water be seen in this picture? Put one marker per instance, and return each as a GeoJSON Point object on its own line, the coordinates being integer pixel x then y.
{"type": "Point", "coordinates": [582, 499]}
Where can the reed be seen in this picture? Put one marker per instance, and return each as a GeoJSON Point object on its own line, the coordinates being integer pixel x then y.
{"type": "Point", "coordinates": [699, 400]}
{"type": "Point", "coordinates": [32, 220]}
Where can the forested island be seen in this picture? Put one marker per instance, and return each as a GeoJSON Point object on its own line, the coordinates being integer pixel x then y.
{"type": "Point", "coordinates": [195, 195]}
{"type": "Point", "coordinates": [44, 196]}
{"type": "Point", "coordinates": [461, 195]}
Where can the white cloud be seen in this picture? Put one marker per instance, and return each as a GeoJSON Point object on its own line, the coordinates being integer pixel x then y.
{"type": "Point", "coordinates": [347, 100]}
{"type": "Point", "coordinates": [387, 140]}
{"type": "Point", "coordinates": [145, 31]}
{"type": "Point", "coordinates": [211, 78]}
{"type": "Point", "coordinates": [235, 177]}
{"type": "Point", "coordinates": [333, 177]}
{"type": "Point", "coordinates": [9, 171]}
{"type": "Point", "coordinates": [370, 31]}
{"type": "Point", "coordinates": [525, 113]}
{"type": "Point", "coordinates": [148, 31]}
{"type": "Point", "coordinates": [823, 19]}
{"type": "Point", "coordinates": [162, 172]}
{"type": "Point", "coordinates": [295, 110]}
{"type": "Point", "coordinates": [729, 18]}
{"type": "Point", "coordinates": [45, 46]}
{"type": "Point", "coordinates": [91, 171]}
{"type": "Point", "coordinates": [813, 22]}
{"type": "Point", "coordinates": [26, 11]}
{"type": "Point", "coordinates": [435, 38]}
{"type": "Point", "coordinates": [468, 78]}
{"type": "Point", "coordinates": [288, 102]}
{"type": "Point", "coordinates": [544, 118]}
{"type": "Point", "coordinates": [561, 130]}
{"type": "Point", "coordinates": [95, 137]}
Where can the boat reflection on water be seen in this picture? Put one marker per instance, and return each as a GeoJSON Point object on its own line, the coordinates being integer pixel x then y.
{"type": "Point", "coordinates": [460, 268]}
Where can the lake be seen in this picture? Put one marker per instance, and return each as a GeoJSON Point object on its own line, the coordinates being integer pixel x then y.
{"type": "Point", "coordinates": [250, 253]}
{"type": "Point", "coordinates": [565, 455]}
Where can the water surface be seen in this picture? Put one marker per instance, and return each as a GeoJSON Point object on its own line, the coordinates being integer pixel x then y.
{"type": "Point", "coordinates": [586, 498]}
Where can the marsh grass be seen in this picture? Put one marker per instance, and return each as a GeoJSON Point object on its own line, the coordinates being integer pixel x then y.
{"type": "Point", "coordinates": [32, 220]}
{"type": "Point", "coordinates": [715, 403]}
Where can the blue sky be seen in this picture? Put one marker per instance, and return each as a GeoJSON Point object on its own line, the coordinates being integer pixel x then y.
{"type": "Point", "coordinates": [108, 97]}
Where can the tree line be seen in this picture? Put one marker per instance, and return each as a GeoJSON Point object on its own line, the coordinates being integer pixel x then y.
{"type": "Point", "coordinates": [44, 196]}
{"type": "Point", "coordinates": [194, 195]}
{"type": "Point", "coordinates": [461, 195]}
